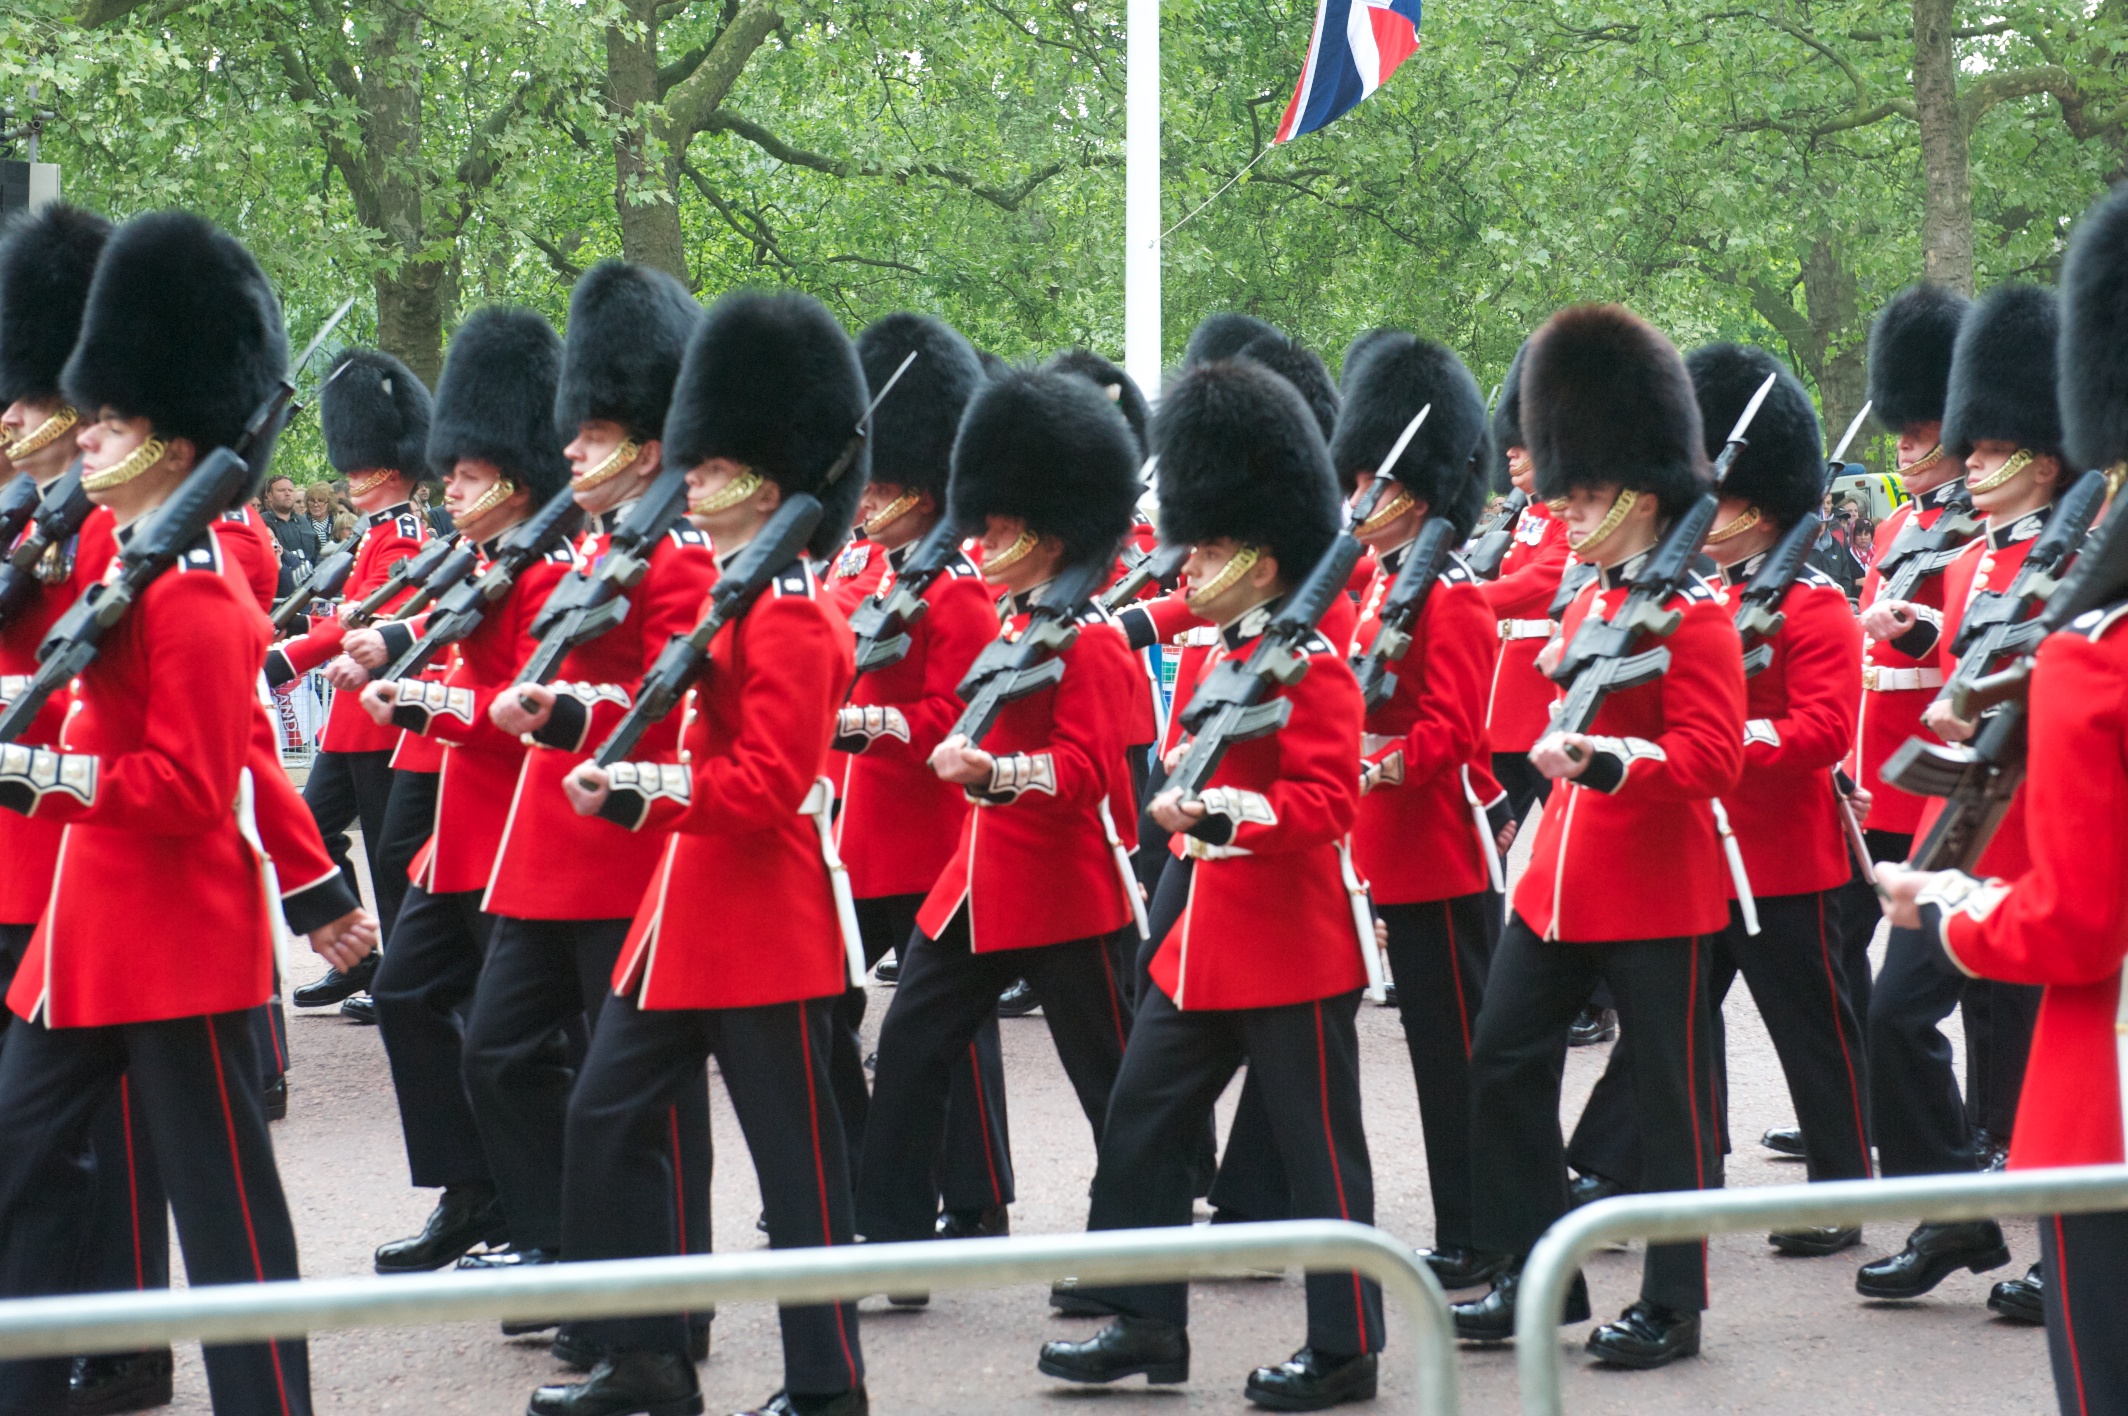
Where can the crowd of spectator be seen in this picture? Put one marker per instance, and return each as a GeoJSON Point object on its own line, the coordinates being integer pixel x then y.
{"type": "Point", "coordinates": [308, 521]}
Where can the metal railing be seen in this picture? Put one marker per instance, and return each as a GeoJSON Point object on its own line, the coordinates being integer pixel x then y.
{"type": "Point", "coordinates": [119, 1322]}
{"type": "Point", "coordinates": [1696, 1214]}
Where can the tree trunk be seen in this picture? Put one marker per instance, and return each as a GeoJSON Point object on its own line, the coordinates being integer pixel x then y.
{"type": "Point", "coordinates": [410, 309]}
{"type": "Point", "coordinates": [643, 195]}
{"type": "Point", "coordinates": [1947, 210]}
{"type": "Point", "coordinates": [1839, 363]}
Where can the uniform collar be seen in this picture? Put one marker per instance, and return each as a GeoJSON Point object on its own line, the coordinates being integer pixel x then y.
{"type": "Point", "coordinates": [1250, 624]}
{"type": "Point", "coordinates": [1744, 569]}
{"type": "Point", "coordinates": [1940, 496]}
{"type": "Point", "coordinates": [897, 557]}
{"type": "Point", "coordinates": [2024, 528]}
{"type": "Point", "coordinates": [390, 513]}
{"type": "Point", "coordinates": [1613, 576]}
{"type": "Point", "coordinates": [1023, 603]}
{"type": "Point", "coordinates": [1393, 561]}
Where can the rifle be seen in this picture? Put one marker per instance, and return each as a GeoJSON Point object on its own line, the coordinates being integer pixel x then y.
{"type": "Point", "coordinates": [407, 570]}
{"type": "Point", "coordinates": [59, 516]}
{"type": "Point", "coordinates": [1488, 545]}
{"type": "Point", "coordinates": [1161, 566]}
{"type": "Point", "coordinates": [1401, 608]}
{"type": "Point", "coordinates": [323, 582]}
{"type": "Point", "coordinates": [159, 540]}
{"type": "Point", "coordinates": [1916, 554]}
{"type": "Point", "coordinates": [1759, 617]}
{"type": "Point", "coordinates": [882, 622]}
{"type": "Point", "coordinates": [584, 606]}
{"type": "Point", "coordinates": [18, 502]}
{"type": "Point", "coordinates": [1009, 669]}
{"type": "Point", "coordinates": [1600, 661]}
{"type": "Point", "coordinates": [460, 611]}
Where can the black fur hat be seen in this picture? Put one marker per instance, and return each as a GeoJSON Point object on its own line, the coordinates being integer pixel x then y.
{"type": "Point", "coordinates": [495, 400]}
{"type": "Point", "coordinates": [181, 328]}
{"type": "Point", "coordinates": [2002, 372]}
{"type": "Point", "coordinates": [628, 327]}
{"type": "Point", "coordinates": [1507, 421]}
{"type": "Point", "coordinates": [1298, 366]}
{"type": "Point", "coordinates": [772, 382]}
{"type": "Point", "coordinates": [1241, 456]}
{"type": "Point", "coordinates": [2094, 357]}
{"type": "Point", "coordinates": [1357, 351]}
{"type": "Point", "coordinates": [374, 413]}
{"type": "Point", "coordinates": [912, 431]}
{"type": "Point", "coordinates": [1052, 449]}
{"type": "Point", "coordinates": [1445, 463]}
{"type": "Point", "coordinates": [47, 258]}
{"type": "Point", "coordinates": [1119, 386]}
{"type": "Point", "coordinates": [1781, 470]}
{"type": "Point", "coordinates": [1221, 337]}
{"type": "Point", "coordinates": [1910, 354]}
{"type": "Point", "coordinates": [1606, 399]}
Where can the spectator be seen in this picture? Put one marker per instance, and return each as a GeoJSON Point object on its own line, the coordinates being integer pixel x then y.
{"type": "Point", "coordinates": [292, 530]}
{"type": "Point", "coordinates": [439, 519]}
{"type": "Point", "coordinates": [331, 523]}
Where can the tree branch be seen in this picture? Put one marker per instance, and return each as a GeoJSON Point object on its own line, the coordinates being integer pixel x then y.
{"type": "Point", "coordinates": [689, 104]}
{"type": "Point", "coordinates": [1005, 198]}
{"type": "Point", "coordinates": [367, 204]}
{"type": "Point", "coordinates": [556, 256]}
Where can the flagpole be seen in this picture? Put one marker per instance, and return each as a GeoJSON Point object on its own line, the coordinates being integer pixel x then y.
{"type": "Point", "coordinates": [1141, 196]}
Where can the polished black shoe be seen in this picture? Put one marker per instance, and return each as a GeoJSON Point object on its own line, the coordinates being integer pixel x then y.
{"type": "Point", "coordinates": [1462, 1268]}
{"type": "Point", "coordinates": [508, 1257]}
{"type": "Point", "coordinates": [1066, 1296]}
{"type": "Point", "coordinates": [1816, 1241]}
{"type": "Point", "coordinates": [1646, 1335]}
{"type": "Point", "coordinates": [853, 1402]}
{"type": "Point", "coordinates": [1990, 1151]}
{"type": "Point", "coordinates": [119, 1381]}
{"type": "Point", "coordinates": [626, 1384]}
{"type": "Point", "coordinates": [1389, 1000]}
{"type": "Point", "coordinates": [2021, 1300]}
{"type": "Point", "coordinates": [1017, 1001]}
{"type": "Point", "coordinates": [572, 1349]}
{"type": "Point", "coordinates": [1588, 1189]}
{"type": "Point", "coordinates": [1932, 1253]}
{"type": "Point", "coordinates": [975, 1224]}
{"type": "Point", "coordinates": [360, 1009]}
{"type": "Point", "coordinates": [465, 1217]}
{"type": "Point", "coordinates": [337, 987]}
{"type": "Point", "coordinates": [1784, 1140]}
{"type": "Point", "coordinates": [1593, 1025]}
{"type": "Point", "coordinates": [1312, 1381]}
{"type": "Point", "coordinates": [887, 971]}
{"type": "Point", "coordinates": [275, 1098]}
{"type": "Point", "coordinates": [1492, 1318]}
{"type": "Point", "coordinates": [1126, 1347]}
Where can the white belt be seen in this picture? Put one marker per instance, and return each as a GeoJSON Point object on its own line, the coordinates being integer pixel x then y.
{"type": "Point", "coordinates": [1525, 629]}
{"type": "Point", "coordinates": [1884, 680]}
{"type": "Point", "coordinates": [1745, 904]}
{"type": "Point", "coordinates": [1486, 843]}
{"type": "Point", "coordinates": [1129, 877]}
{"type": "Point", "coordinates": [819, 804]}
{"type": "Point", "coordinates": [1362, 922]}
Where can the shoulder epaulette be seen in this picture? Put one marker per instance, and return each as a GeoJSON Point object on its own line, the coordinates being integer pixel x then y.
{"type": "Point", "coordinates": [1456, 573]}
{"type": "Point", "coordinates": [561, 555]}
{"type": "Point", "coordinates": [963, 569]}
{"type": "Point", "coordinates": [236, 515]}
{"type": "Point", "coordinates": [1696, 588]}
{"type": "Point", "coordinates": [1818, 579]}
{"type": "Point", "coordinates": [2094, 624]}
{"type": "Point", "coordinates": [409, 526]}
{"type": "Point", "coordinates": [1317, 644]}
{"type": "Point", "coordinates": [793, 579]}
{"type": "Point", "coordinates": [686, 533]}
{"type": "Point", "coordinates": [203, 554]}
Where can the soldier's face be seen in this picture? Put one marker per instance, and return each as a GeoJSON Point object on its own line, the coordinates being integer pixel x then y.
{"type": "Point", "coordinates": [2027, 491]}
{"type": "Point", "coordinates": [900, 527]}
{"type": "Point", "coordinates": [1014, 560]}
{"type": "Point", "coordinates": [1521, 471]}
{"type": "Point", "coordinates": [25, 416]}
{"type": "Point", "coordinates": [602, 471]}
{"type": "Point", "coordinates": [1921, 474]}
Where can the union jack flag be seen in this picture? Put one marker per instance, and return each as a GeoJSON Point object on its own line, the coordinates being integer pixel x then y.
{"type": "Point", "coordinates": [1356, 46]}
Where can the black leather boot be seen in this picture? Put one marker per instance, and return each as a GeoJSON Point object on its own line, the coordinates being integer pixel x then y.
{"type": "Point", "coordinates": [1492, 1318]}
{"type": "Point", "coordinates": [361, 1009]}
{"type": "Point", "coordinates": [1126, 1347]}
{"type": "Point", "coordinates": [1588, 1189]}
{"type": "Point", "coordinates": [337, 987]}
{"type": "Point", "coordinates": [119, 1381]}
{"type": "Point", "coordinates": [1784, 1140]}
{"type": "Point", "coordinates": [275, 1098]}
{"type": "Point", "coordinates": [1816, 1241]}
{"type": "Point", "coordinates": [1593, 1025]}
{"type": "Point", "coordinates": [1462, 1268]}
{"type": "Point", "coordinates": [1017, 1001]}
{"type": "Point", "coordinates": [1312, 1381]}
{"type": "Point", "coordinates": [509, 1257]}
{"type": "Point", "coordinates": [1932, 1253]}
{"type": "Point", "coordinates": [626, 1384]}
{"type": "Point", "coordinates": [1646, 1335]}
{"type": "Point", "coordinates": [975, 1224]}
{"type": "Point", "coordinates": [853, 1402]}
{"type": "Point", "coordinates": [1068, 1297]}
{"type": "Point", "coordinates": [465, 1216]}
{"type": "Point", "coordinates": [2021, 1300]}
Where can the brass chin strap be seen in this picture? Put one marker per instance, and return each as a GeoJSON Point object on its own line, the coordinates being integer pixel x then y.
{"type": "Point", "coordinates": [1399, 503]}
{"type": "Point", "coordinates": [363, 484]}
{"type": "Point", "coordinates": [43, 435]}
{"type": "Point", "coordinates": [737, 490]}
{"type": "Point", "coordinates": [1229, 576]}
{"type": "Point", "coordinates": [1612, 520]}
{"type": "Point", "coordinates": [1517, 462]}
{"type": "Point", "coordinates": [487, 501]}
{"type": "Point", "coordinates": [892, 512]}
{"type": "Point", "coordinates": [620, 458]}
{"type": "Point", "coordinates": [139, 460]}
{"type": "Point", "coordinates": [1730, 530]}
{"type": "Point", "coordinates": [1557, 507]}
{"type": "Point", "coordinates": [2000, 477]}
{"type": "Point", "coordinates": [1011, 556]}
{"type": "Point", "coordinates": [1927, 460]}
{"type": "Point", "coordinates": [2115, 475]}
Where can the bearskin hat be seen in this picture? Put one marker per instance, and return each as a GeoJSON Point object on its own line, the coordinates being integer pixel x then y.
{"type": "Point", "coordinates": [628, 327]}
{"type": "Point", "coordinates": [47, 258]}
{"type": "Point", "coordinates": [1221, 337]}
{"type": "Point", "coordinates": [181, 328]}
{"type": "Point", "coordinates": [1606, 400]}
{"type": "Point", "coordinates": [1298, 366]}
{"type": "Point", "coordinates": [1910, 354]}
{"type": "Point", "coordinates": [1129, 398]}
{"type": "Point", "coordinates": [1781, 469]}
{"type": "Point", "coordinates": [1241, 455]}
{"type": "Point", "coordinates": [1507, 420]}
{"type": "Point", "coordinates": [1357, 351]}
{"type": "Point", "coordinates": [1444, 465]}
{"type": "Point", "coordinates": [913, 427]}
{"type": "Point", "coordinates": [2002, 372]}
{"type": "Point", "coordinates": [772, 382]}
{"type": "Point", "coordinates": [374, 413]}
{"type": "Point", "coordinates": [1052, 449]}
{"type": "Point", "coordinates": [495, 400]}
{"type": "Point", "coordinates": [2094, 358]}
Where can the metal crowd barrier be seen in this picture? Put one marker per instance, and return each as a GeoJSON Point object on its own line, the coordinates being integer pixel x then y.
{"type": "Point", "coordinates": [1695, 1214]}
{"type": "Point", "coordinates": [118, 1322]}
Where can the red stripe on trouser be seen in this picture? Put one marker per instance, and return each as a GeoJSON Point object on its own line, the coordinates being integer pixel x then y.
{"type": "Point", "coordinates": [820, 1174]}
{"type": "Point", "coordinates": [1455, 969]}
{"type": "Point", "coordinates": [1337, 1174]}
{"type": "Point", "coordinates": [679, 1178]}
{"type": "Point", "coordinates": [243, 1199]}
{"type": "Point", "coordinates": [1699, 1162]}
{"type": "Point", "coordinates": [125, 1117]}
{"type": "Point", "coordinates": [1832, 996]}
{"type": "Point", "coordinates": [2059, 1282]}
{"type": "Point", "coordinates": [1115, 1007]}
{"type": "Point", "coordinates": [982, 1119]}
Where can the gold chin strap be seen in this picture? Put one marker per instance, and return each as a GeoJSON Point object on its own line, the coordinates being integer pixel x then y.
{"type": "Point", "coordinates": [606, 471]}
{"type": "Point", "coordinates": [1011, 556]}
{"type": "Point", "coordinates": [1229, 576]}
{"type": "Point", "coordinates": [43, 435]}
{"type": "Point", "coordinates": [1399, 503]}
{"type": "Point", "coordinates": [2018, 462]}
{"type": "Point", "coordinates": [1927, 460]}
{"type": "Point", "coordinates": [892, 512]}
{"type": "Point", "coordinates": [2115, 475]}
{"type": "Point", "coordinates": [139, 460]}
{"type": "Point", "coordinates": [737, 490]}
{"type": "Point", "coordinates": [362, 484]}
{"type": "Point", "coordinates": [488, 500]}
{"type": "Point", "coordinates": [1517, 462]}
{"type": "Point", "coordinates": [1737, 526]}
{"type": "Point", "coordinates": [1612, 520]}
{"type": "Point", "coordinates": [1557, 507]}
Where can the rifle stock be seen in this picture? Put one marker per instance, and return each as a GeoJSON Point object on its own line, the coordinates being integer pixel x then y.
{"type": "Point", "coordinates": [584, 606]}
{"type": "Point", "coordinates": [1489, 546]}
{"type": "Point", "coordinates": [412, 570]}
{"type": "Point", "coordinates": [1010, 669]}
{"type": "Point", "coordinates": [459, 612]}
{"type": "Point", "coordinates": [1401, 609]}
{"type": "Point", "coordinates": [323, 582]}
{"type": "Point", "coordinates": [882, 622]}
{"type": "Point", "coordinates": [58, 518]}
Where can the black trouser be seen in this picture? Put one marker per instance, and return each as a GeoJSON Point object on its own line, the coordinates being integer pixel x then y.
{"type": "Point", "coordinates": [1305, 1060]}
{"type": "Point", "coordinates": [269, 1034]}
{"type": "Point", "coordinates": [1524, 784]}
{"type": "Point", "coordinates": [424, 989]}
{"type": "Point", "coordinates": [945, 993]}
{"type": "Point", "coordinates": [193, 1081]}
{"type": "Point", "coordinates": [2086, 1256]}
{"type": "Point", "coordinates": [1518, 1056]}
{"type": "Point", "coordinates": [1999, 1018]}
{"type": "Point", "coordinates": [1857, 911]}
{"type": "Point", "coordinates": [1921, 1126]}
{"type": "Point", "coordinates": [346, 789]}
{"type": "Point", "coordinates": [1153, 857]}
{"type": "Point", "coordinates": [1796, 981]}
{"type": "Point", "coordinates": [409, 818]}
{"type": "Point", "coordinates": [975, 1157]}
{"type": "Point", "coordinates": [542, 979]}
{"type": "Point", "coordinates": [618, 1180]}
{"type": "Point", "coordinates": [1171, 891]}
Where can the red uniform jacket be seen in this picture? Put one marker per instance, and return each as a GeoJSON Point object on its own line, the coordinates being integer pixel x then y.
{"type": "Point", "coordinates": [1416, 839]}
{"type": "Point", "coordinates": [2063, 921]}
{"type": "Point", "coordinates": [859, 569]}
{"type": "Point", "coordinates": [1036, 862]}
{"type": "Point", "coordinates": [1799, 724]}
{"type": "Point", "coordinates": [389, 536]}
{"type": "Point", "coordinates": [1629, 850]}
{"type": "Point", "coordinates": [899, 822]}
{"type": "Point", "coordinates": [1519, 707]}
{"type": "Point", "coordinates": [1268, 921]}
{"type": "Point", "coordinates": [1172, 622]}
{"type": "Point", "coordinates": [552, 863]}
{"type": "Point", "coordinates": [251, 553]}
{"type": "Point", "coordinates": [740, 912]}
{"type": "Point", "coordinates": [1897, 686]}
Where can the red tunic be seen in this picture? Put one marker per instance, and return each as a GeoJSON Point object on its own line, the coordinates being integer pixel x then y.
{"type": "Point", "coordinates": [858, 571]}
{"type": "Point", "coordinates": [1638, 857]}
{"type": "Point", "coordinates": [1897, 687]}
{"type": "Point", "coordinates": [2063, 920]}
{"type": "Point", "coordinates": [740, 912]}
{"type": "Point", "coordinates": [391, 535]}
{"type": "Point", "coordinates": [1519, 703]}
{"type": "Point", "coordinates": [1173, 622]}
{"type": "Point", "coordinates": [253, 555]}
